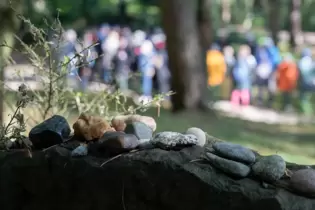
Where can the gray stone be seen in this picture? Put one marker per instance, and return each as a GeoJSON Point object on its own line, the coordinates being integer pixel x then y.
{"type": "Point", "coordinates": [81, 150]}
{"type": "Point", "coordinates": [52, 131]}
{"type": "Point", "coordinates": [303, 181]}
{"type": "Point", "coordinates": [200, 134]}
{"type": "Point", "coordinates": [269, 168]}
{"type": "Point", "coordinates": [113, 143]}
{"type": "Point", "coordinates": [228, 166]}
{"type": "Point", "coordinates": [145, 144]}
{"type": "Point", "coordinates": [234, 152]}
{"type": "Point", "coordinates": [170, 140]}
{"type": "Point", "coordinates": [139, 129]}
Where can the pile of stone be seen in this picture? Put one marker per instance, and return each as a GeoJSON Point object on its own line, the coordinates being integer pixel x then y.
{"type": "Point", "coordinates": [124, 134]}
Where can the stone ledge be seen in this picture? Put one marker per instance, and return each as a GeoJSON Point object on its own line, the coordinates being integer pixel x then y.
{"type": "Point", "coordinates": [148, 179]}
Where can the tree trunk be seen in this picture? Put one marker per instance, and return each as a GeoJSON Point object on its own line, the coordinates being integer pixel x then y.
{"type": "Point", "coordinates": [179, 18]}
{"type": "Point", "coordinates": [205, 40]}
{"type": "Point", "coordinates": [295, 17]}
{"type": "Point", "coordinates": [122, 12]}
{"type": "Point", "coordinates": [274, 18]}
{"type": "Point", "coordinates": [9, 25]}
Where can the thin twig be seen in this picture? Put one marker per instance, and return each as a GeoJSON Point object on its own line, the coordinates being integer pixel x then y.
{"type": "Point", "coordinates": [109, 160]}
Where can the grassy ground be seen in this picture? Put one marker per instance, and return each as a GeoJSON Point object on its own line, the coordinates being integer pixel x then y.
{"type": "Point", "coordinates": [295, 144]}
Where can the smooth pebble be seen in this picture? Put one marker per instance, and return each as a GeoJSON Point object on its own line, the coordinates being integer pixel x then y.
{"type": "Point", "coordinates": [303, 181]}
{"type": "Point", "coordinates": [228, 166]}
{"type": "Point", "coordinates": [269, 168]}
{"type": "Point", "coordinates": [234, 152]}
{"type": "Point", "coordinates": [200, 134]}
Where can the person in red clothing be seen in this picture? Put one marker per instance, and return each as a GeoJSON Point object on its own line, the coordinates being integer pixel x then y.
{"type": "Point", "coordinates": [287, 77]}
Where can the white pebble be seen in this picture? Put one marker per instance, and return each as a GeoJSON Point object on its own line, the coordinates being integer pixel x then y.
{"type": "Point", "coordinates": [200, 134]}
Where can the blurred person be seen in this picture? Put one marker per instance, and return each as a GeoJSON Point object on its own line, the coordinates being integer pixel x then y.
{"type": "Point", "coordinates": [69, 49]}
{"type": "Point", "coordinates": [242, 74]}
{"type": "Point", "coordinates": [275, 57]}
{"type": "Point", "coordinates": [273, 52]}
{"type": "Point", "coordinates": [306, 81]}
{"type": "Point", "coordinates": [122, 64]}
{"type": "Point", "coordinates": [229, 57]}
{"type": "Point", "coordinates": [162, 69]}
{"type": "Point", "coordinates": [263, 73]}
{"type": "Point", "coordinates": [287, 75]}
{"type": "Point", "coordinates": [103, 31]}
{"type": "Point", "coordinates": [101, 35]}
{"type": "Point", "coordinates": [110, 47]}
{"type": "Point", "coordinates": [251, 41]}
{"type": "Point", "coordinates": [217, 69]}
{"type": "Point", "coordinates": [88, 60]}
{"type": "Point", "coordinates": [146, 65]}
{"type": "Point", "coordinates": [138, 37]}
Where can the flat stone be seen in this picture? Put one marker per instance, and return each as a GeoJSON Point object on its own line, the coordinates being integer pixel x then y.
{"type": "Point", "coordinates": [200, 134]}
{"type": "Point", "coordinates": [234, 152]}
{"type": "Point", "coordinates": [269, 168]}
{"type": "Point", "coordinates": [139, 129]}
{"type": "Point", "coordinates": [113, 143]}
{"type": "Point", "coordinates": [170, 140]}
{"type": "Point", "coordinates": [303, 181]}
{"type": "Point", "coordinates": [230, 167]}
{"type": "Point", "coordinates": [111, 134]}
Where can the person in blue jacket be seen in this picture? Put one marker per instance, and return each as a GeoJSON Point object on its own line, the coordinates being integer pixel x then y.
{"type": "Point", "coordinates": [264, 72]}
{"type": "Point", "coordinates": [242, 74]}
{"type": "Point", "coordinates": [275, 58]}
{"type": "Point", "coordinates": [273, 53]}
{"type": "Point", "coordinates": [307, 81]}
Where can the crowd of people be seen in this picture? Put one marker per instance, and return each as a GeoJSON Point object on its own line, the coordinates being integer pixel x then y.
{"type": "Point", "coordinates": [119, 53]}
{"type": "Point", "coordinates": [258, 63]}
{"type": "Point", "coordinates": [263, 65]}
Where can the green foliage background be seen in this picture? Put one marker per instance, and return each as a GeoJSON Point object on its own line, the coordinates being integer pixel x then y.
{"type": "Point", "coordinates": [146, 12]}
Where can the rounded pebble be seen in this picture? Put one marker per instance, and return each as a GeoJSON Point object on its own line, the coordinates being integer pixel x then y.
{"type": "Point", "coordinates": [303, 181]}
{"type": "Point", "coordinates": [228, 166]}
{"type": "Point", "coordinates": [81, 150]}
{"type": "Point", "coordinates": [234, 152]}
{"type": "Point", "coordinates": [270, 168]}
{"type": "Point", "coordinates": [200, 134]}
{"type": "Point", "coordinates": [173, 140]}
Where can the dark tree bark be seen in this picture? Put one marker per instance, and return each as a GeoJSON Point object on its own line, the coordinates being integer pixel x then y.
{"type": "Point", "coordinates": [179, 18]}
{"type": "Point", "coordinates": [205, 40]}
{"type": "Point", "coordinates": [274, 18]}
{"type": "Point", "coordinates": [295, 26]}
{"type": "Point", "coordinates": [123, 11]}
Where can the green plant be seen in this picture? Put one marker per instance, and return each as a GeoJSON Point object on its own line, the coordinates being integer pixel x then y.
{"type": "Point", "coordinates": [12, 131]}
